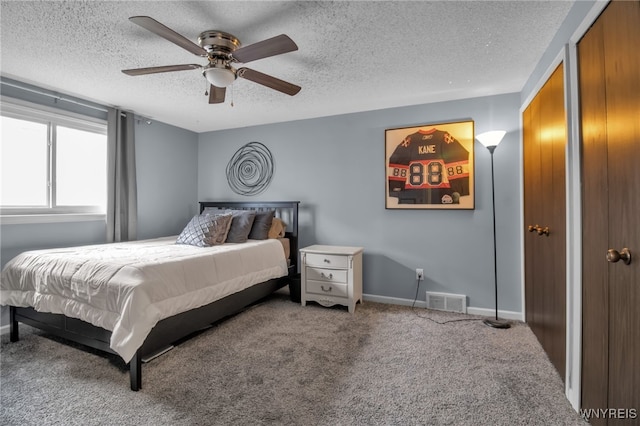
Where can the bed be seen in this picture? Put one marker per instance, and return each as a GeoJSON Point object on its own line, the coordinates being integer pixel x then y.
{"type": "Point", "coordinates": [237, 275]}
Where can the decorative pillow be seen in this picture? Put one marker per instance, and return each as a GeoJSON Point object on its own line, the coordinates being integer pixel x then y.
{"type": "Point", "coordinates": [240, 225]}
{"type": "Point", "coordinates": [206, 230]}
{"type": "Point", "coordinates": [262, 224]}
{"type": "Point", "coordinates": [278, 227]}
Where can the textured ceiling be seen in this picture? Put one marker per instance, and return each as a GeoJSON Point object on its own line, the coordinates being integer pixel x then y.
{"type": "Point", "coordinates": [353, 56]}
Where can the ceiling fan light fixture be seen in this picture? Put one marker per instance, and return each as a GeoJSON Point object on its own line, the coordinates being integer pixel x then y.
{"type": "Point", "coordinates": [219, 77]}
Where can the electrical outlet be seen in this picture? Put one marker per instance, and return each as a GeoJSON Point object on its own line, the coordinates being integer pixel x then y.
{"type": "Point", "coordinates": [419, 274]}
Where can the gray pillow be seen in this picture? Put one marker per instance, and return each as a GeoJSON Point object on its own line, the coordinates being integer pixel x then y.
{"type": "Point", "coordinates": [206, 230]}
{"type": "Point", "coordinates": [240, 225]}
{"type": "Point", "coordinates": [261, 225]}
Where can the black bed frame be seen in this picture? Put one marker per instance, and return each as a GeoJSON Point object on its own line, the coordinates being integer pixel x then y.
{"type": "Point", "coordinates": [177, 327]}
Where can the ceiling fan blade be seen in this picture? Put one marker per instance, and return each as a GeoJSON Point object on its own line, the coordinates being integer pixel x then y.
{"type": "Point", "coordinates": [263, 49]}
{"type": "Point", "coordinates": [165, 68]}
{"type": "Point", "coordinates": [216, 94]}
{"type": "Point", "coordinates": [167, 33]}
{"type": "Point", "coordinates": [269, 81]}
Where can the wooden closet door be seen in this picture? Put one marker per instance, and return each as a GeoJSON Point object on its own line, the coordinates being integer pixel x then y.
{"type": "Point", "coordinates": [532, 213]}
{"type": "Point", "coordinates": [609, 84]}
{"type": "Point", "coordinates": [595, 221]}
{"type": "Point", "coordinates": [544, 138]}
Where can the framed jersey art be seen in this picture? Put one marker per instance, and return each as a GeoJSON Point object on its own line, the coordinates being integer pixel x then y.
{"type": "Point", "coordinates": [430, 166]}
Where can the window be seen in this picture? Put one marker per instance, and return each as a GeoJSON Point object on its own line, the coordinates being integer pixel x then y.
{"type": "Point", "coordinates": [51, 162]}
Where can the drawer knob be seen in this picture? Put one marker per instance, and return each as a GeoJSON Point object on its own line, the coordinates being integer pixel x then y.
{"type": "Point", "coordinates": [327, 261]}
{"type": "Point", "coordinates": [330, 276]}
{"type": "Point", "coordinates": [326, 290]}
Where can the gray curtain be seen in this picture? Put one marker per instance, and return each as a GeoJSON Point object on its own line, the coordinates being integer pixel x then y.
{"type": "Point", "coordinates": [122, 200]}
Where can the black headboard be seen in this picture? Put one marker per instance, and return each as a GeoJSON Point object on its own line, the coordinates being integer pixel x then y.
{"type": "Point", "coordinates": [287, 211]}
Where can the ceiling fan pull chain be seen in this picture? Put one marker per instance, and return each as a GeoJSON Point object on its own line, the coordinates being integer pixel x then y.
{"type": "Point", "coordinates": [206, 88]}
{"type": "Point", "coordinates": [232, 96]}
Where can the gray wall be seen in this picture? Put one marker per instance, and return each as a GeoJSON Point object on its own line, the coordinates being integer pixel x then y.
{"type": "Point", "coordinates": [336, 167]}
{"type": "Point", "coordinates": [166, 158]}
{"type": "Point", "coordinates": [574, 19]}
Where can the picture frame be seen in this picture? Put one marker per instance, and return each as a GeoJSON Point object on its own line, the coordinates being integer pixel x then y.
{"type": "Point", "coordinates": [430, 166]}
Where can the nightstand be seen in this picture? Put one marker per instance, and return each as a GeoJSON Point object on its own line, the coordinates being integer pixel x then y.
{"type": "Point", "coordinates": [331, 275]}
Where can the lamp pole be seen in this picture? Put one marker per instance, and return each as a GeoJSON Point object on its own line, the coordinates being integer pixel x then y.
{"type": "Point", "coordinates": [491, 140]}
{"type": "Point", "coordinates": [495, 323]}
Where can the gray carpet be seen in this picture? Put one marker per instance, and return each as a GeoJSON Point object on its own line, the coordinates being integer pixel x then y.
{"type": "Point", "coordinates": [280, 363]}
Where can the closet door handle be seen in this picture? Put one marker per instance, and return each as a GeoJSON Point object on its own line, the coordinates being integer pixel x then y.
{"type": "Point", "coordinates": [614, 256]}
{"type": "Point", "coordinates": [539, 229]}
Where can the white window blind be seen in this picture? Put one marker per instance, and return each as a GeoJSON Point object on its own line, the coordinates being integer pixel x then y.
{"type": "Point", "coordinates": [51, 162]}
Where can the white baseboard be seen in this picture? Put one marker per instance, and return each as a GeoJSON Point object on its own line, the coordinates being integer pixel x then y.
{"type": "Point", "coordinates": [510, 315]}
{"type": "Point", "coordinates": [517, 316]}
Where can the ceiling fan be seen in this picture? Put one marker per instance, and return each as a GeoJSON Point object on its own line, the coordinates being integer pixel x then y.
{"type": "Point", "coordinates": [221, 49]}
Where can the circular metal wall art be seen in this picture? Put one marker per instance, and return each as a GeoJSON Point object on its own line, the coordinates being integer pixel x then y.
{"type": "Point", "coordinates": [250, 170]}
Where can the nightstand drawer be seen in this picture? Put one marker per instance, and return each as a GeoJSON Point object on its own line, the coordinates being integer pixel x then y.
{"type": "Point", "coordinates": [327, 288]}
{"type": "Point", "coordinates": [327, 275]}
{"type": "Point", "coordinates": [327, 260]}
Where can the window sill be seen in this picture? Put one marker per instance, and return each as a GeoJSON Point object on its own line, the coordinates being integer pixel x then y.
{"type": "Point", "coordinates": [50, 218]}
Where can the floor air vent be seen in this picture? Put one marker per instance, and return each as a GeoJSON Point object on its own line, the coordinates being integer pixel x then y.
{"type": "Point", "coordinates": [447, 302]}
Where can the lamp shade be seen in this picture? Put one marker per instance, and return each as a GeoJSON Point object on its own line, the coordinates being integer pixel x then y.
{"type": "Point", "coordinates": [219, 77]}
{"type": "Point", "coordinates": [492, 138]}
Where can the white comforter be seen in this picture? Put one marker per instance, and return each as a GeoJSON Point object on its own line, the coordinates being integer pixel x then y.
{"type": "Point", "coordinates": [128, 287]}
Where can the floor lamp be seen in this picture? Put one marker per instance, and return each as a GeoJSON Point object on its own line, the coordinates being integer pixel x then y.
{"type": "Point", "coordinates": [491, 140]}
